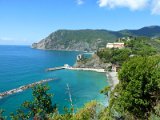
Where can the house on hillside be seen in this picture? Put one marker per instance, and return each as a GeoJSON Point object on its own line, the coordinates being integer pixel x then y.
{"type": "Point", "coordinates": [125, 38]}
{"type": "Point", "coordinates": [115, 45]}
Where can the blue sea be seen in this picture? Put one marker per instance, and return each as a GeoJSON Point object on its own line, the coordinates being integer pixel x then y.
{"type": "Point", "coordinates": [21, 65]}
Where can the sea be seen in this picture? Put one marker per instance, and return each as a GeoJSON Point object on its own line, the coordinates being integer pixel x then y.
{"type": "Point", "coordinates": [22, 65]}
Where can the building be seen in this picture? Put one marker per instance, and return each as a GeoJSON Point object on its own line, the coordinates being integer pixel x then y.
{"type": "Point", "coordinates": [109, 45]}
{"type": "Point", "coordinates": [115, 67]}
{"type": "Point", "coordinates": [66, 66]}
{"type": "Point", "coordinates": [115, 45]}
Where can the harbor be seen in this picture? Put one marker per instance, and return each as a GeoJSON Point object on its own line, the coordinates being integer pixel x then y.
{"type": "Point", "coordinates": [22, 88]}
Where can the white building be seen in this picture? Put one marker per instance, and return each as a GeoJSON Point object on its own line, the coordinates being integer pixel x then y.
{"type": "Point", "coordinates": [109, 45]}
{"type": "Point", "coordinates": [115, 45]}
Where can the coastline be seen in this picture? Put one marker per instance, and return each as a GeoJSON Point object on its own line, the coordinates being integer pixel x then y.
{"type": "Point", "coordinates": [83, 51]}
{"type": "Point", "coordinates": [86, 69]}
{"type": "Point", "coordinates": [112, 79]}
{"type": "Point", "coordinates": [67, 67]}
{"type": "Point", "coordinates": [71, 77]}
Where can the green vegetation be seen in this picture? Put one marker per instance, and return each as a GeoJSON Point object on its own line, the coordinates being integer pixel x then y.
{"type": "Point", "coordinates": [137, 94]}
{"type": "Point", "coordinates": [41, 108]}
{"type": "Point", "coordinates": [90, 40]}
{"type": "Point", "coordinates": [38, 108]}
{"type": "Point", "coordinates": [136, 97]}
{"type": "Point", "coordinates": [114, 56]}
{"type": "Point", "coordinates": [88, 112]}
{"type": "Point", "coordinates": [139, 46]}
{"type": "Point", "coordinates": [68, 37]}
{"type": "Point", "coordinates": [155, 43]}
{"type": "Point", "coordinates": [138, 91]}
{"type": "Point", "coordinates": [1, 115]}
{"type": "Point", "coordinates": [152, 31]}
{"type": "Point", "coordinates": [106, 90]}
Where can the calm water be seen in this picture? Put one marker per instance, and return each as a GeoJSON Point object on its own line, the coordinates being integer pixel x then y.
{"type": "Point", "coordinates": [20, 65]}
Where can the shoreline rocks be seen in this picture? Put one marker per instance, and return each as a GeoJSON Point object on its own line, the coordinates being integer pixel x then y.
{"type": "Point", "coordinates": [93, 62]}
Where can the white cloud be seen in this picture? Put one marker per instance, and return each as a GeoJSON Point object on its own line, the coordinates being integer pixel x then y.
{"type": "Point", "coordinates": [131, 4]}
{"type": "Point", "coordinates": [80, 2]}
{"type": "Point", "coordinates": [156, 7]}
{"type": "Point", "coordinates": [153, 5]}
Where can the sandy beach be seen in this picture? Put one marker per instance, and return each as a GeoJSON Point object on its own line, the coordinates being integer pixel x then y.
{"type": "Point", "coordinates": [113, 79]}
{"type": "Point", "coordinates": [86, 69]}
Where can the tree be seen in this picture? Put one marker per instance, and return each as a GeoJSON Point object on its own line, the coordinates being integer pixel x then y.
{"type": "Point", "coordinates": [105, 55]}
{"type": "Point", "coordinates": [1, 115]}
{"type": "Point", "coordinates": [138, 91]}
{"type": "Point", "coordinates": [106, 90]}
{"type": "Point", "coordinates": [141, 46]}
{"type": "Point", "coordinates": [88, 112]}
{"type": "Point", "coordinates": [39, 107]}
{"type": "Point", "coordinates": [120, 55]}
{"type": "Point", "coordinates": [114, 55]}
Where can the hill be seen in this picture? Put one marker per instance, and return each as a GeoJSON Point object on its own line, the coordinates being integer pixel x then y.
{"type": "Point", "coordinates": [89, 40]}
{"type": "Point", "coordinates": [151, 31]}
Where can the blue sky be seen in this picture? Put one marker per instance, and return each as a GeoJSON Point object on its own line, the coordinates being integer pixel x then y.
{"type": "Point", "coordinates": [27, 21]}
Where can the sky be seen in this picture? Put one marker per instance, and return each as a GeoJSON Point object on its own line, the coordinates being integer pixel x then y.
{"type": "Point", "coordinates": [23, 22]}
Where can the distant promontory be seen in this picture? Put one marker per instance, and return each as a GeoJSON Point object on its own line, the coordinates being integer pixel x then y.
{"type": "Point", "coordinates": [90, 40]}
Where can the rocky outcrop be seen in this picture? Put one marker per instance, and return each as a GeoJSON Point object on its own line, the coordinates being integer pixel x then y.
{"type": "Point", "coordinates": [77, 40]}
{"type": "Point", "coordinates": [93, 62]}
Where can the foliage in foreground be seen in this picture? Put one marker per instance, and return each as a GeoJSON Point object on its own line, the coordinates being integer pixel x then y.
{"type": "Point", "coordinates": [41, 108]}
{"type": "Point", "coordinates": [1, 115]}
{"type": "Point", "coordinates": [88, 112]}
{"type": "Point", "coordinates": [38, 108]}
{"type": "Point", "coordinates": [137, 94]}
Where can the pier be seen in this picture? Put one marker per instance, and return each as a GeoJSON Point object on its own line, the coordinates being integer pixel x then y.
{"type": "Point", "coordinates": [66, 66]}
{"type": "Point", "coordinates": [22, 88]}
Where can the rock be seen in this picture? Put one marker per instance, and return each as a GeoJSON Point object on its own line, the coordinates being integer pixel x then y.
{"type": "Point", "coordinates": [93, 62]}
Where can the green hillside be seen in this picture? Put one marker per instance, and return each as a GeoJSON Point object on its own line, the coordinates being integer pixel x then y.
{"type": "Point", "coordinates": [89, 40]}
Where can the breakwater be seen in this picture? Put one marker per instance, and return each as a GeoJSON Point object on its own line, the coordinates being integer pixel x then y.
{"type": "Point", "coordinates": [56, 68]}
{"type": "Point", "coordinates": [22, 88]}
